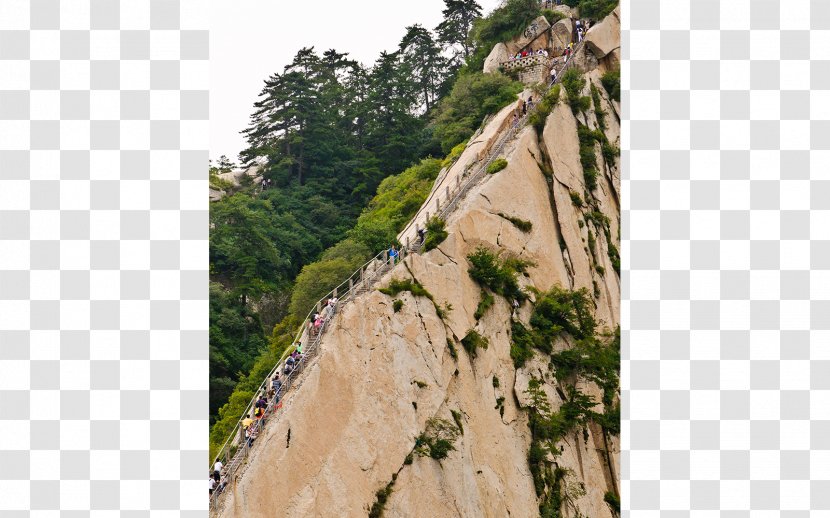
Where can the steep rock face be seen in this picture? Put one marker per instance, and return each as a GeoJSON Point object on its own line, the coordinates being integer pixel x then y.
{"type": "Point", "coordinates": [603, 40]}
{"type": "Point", "coordinates": [561, 35]}
{"type": "Point", "coordinates": [496, 57]}
{"type": "Point", "coordinates": [353, 421]}
{"type": "Point", "coordinates": [382, 375]}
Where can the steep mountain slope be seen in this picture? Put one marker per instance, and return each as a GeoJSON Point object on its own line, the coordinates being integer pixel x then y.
{"type": "Point", "coordinates": [383, 375]}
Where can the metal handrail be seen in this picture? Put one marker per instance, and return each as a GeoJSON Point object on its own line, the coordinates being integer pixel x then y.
{"type": "Point", "coordinates": [361, 279]}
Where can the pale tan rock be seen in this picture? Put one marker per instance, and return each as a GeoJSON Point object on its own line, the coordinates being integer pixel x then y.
{"type": "Point", "coordinates": [604, 37]}
{"type": "Point", "coordinates": [561, 36]}
{"type": "Point", "coordinates": [496, 57]}
{"type": "Point", "coordinates": [570, 12]}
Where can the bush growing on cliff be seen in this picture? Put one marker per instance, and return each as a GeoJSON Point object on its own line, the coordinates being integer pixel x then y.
{"type": "Point", "coordinates": [611, 82]}
{"type": "Point", "coordinates": [398, 285]}
{"type": "Point", "coordinates": [574, 82]}
{"type": "Point", "coordinates": [564, 311]}
{"type": "Point", "coordinates": [473, 342]}
{"type": "Point", "coordinates": [454, 154]}
{"type": "Point", "coordinates": [521, 224]}
{"type": "Point", "coordinates": [587, 154]}
{"type": "Point", "coordinates": [436, 233]}
{"type": "Point", "coordinates": [521, 344]}
{"type": "Point", "coordinates": [613, 502]}
{"type": "Point", "coordinates": [437, 439]}
{"type": "Point", "coordinates": [486, 302]}
{"type": "Point", "coordinates": [487, 269]}
{"type": "Point", "coordinates": [381, 496]}
{"type": "Point", "coordinates": [496, 166]}
{"type": "Point", "coordinates": [539, 116]}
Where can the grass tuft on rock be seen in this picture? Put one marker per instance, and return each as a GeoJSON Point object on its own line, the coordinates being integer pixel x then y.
{"type": "Point", "coordinates": [486, 302]}
{"type": "Point", "coordinates": [523, 225]}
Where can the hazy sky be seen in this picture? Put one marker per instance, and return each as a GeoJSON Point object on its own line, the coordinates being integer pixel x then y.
{"type": "Point", "coordinates": [251, 39]}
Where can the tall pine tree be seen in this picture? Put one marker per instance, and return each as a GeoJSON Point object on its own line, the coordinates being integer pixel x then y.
{"type": "Point", "coordinates": [424, 64]}
{"type": "Point", "coordinates": [454, 31]}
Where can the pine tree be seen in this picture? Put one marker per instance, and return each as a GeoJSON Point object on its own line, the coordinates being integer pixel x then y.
{"type": "Point", "coordinates": [454, 31]}
{"type": "Point", "coordinates": [425, 65]}
{"type": "Point", "coordinates": [394, 130]}
{"type": "Point", "coordinates": [224, 164]}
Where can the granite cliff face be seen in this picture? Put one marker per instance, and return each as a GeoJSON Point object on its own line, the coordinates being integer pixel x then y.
{"type": "Point", "coordinates": [382, 375]}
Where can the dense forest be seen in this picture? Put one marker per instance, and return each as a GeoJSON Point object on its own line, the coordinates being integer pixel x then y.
{"type": "Point", "coordinates": [350, 152]}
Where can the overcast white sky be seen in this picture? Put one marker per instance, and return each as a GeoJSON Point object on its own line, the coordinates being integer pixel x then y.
{"type": "Point", "coordinates": [251, 39]}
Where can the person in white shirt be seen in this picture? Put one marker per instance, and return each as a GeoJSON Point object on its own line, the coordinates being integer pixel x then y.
{"type": "Point", "coordinates": [217, 470]}
{"type": "Point", "coordinates": [211, 485]}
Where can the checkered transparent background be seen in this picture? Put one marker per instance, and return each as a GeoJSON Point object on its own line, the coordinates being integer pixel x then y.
{"type": "Point", "coordinates": [103, 254]}
{"type": "Point", "coordinates": [103, 258]}
{"type": "Point", "coordinates": [726, 252]}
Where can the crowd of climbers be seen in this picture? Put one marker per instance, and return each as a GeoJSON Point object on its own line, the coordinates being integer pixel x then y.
{"type": "Point", "coordinates": [217, 481]}
{"type": "Point", "coordinates": [530, 52]}
{"type": "Point", "coordinates": [581, 29]}
{"type": "Point", "coordinates": [556, 65]}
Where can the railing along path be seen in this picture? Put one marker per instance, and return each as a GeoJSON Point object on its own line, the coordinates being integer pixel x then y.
{"type": "Point", "coordinates": [236, 449]}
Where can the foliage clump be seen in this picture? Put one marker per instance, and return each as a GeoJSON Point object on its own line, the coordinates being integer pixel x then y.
{"type": "Point", "coordinates": [381, 496]}
{"type": "Point", "coordinates": [474, 96]}
{"type": "Point", "coordinates": [611, 82]}
{"type": "Point", "coordinates": [613, 502]}
{"type": "Point", "coordinates": [397, 305]}
{"type": "Point", "coordinates": [561, 311]}
{"type": "Point", "coordinates": [547, 429]}
{"type": "Point", "coordinates": [451, 347]}
{"type": "Point", "coordinates": [498, 274]}
{"type": "Point", "coordinates": [437, 439]}
{"type": "Point", "coordinates": [552, 16]}
{"type": "Point", "coordinates": [521, 224]}
{"type": "Point", "coordinates": [587, 154]}
{"type": "Point", "coordinates": [496, 165]}
{"type": "Point", "coordinates": [454, 154]}
{"type": "Point", "coordinates": [484, 304]}
{"type": "Point", "coordinates": [473, 342]}
{"type": "Point", "coordinates": [397, 286]}
{"type": "Point", "coordinates": [574, 82]}
{"type": "Point", "coordinates": [456, 416]}
{"type": "Point", "coordinates": [549, 101]}
{"type": "Point", "coordinates": [398, 199]}
{"type": "Point", "coordinates": [593, 357]}
{"type": "Point", "coordinates": [598, 111]}
{"type": "Point", "coordinates": [436, 233]}
{"type": "Point", "coordinates": [521, 345]}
